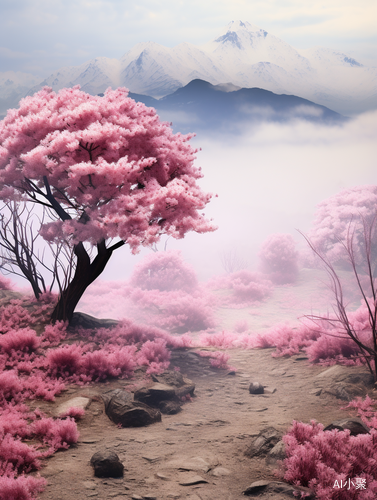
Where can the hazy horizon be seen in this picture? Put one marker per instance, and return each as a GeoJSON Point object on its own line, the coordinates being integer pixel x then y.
{"type": "Point", "coordinates": [40, 37]}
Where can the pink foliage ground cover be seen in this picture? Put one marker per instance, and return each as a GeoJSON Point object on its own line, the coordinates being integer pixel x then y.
{"type": "Point", "coordinates": [40, 365]}
{"type": "Point", "coordinates": [334, 463]}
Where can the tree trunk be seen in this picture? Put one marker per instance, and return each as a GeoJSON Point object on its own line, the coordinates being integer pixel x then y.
{"type": "Point", "coordinates": [86, 272]}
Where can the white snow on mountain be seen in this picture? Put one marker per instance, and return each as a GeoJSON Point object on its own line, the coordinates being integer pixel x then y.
{"type": "Point", "coordinates": [243, 54]}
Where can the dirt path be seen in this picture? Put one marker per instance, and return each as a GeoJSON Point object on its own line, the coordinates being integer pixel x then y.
{"type": "Point", "coordinates": [207, 439]}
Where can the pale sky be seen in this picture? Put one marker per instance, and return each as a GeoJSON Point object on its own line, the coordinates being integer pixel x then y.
{"type": "Point", "coordinates": [41, 36]}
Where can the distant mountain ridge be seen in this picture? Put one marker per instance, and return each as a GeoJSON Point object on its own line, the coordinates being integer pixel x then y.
{"type": "Point", "coordinates": [202, 106]}
{"type": "Point", "coordinates": [243, 54]}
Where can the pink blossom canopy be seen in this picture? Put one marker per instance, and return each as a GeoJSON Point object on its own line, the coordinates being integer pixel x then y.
{"type": "Point", "coordinates": [110, 165]}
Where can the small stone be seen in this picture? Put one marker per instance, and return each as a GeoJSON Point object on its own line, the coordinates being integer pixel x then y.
{"type": "Point", "coordinates": [192, 480]}
{"type": "Point", "coordinates": [256, 388]}
{"type": "Point", "coordinates": [89, 485]}
{"type": "Point", "coordinates": [269, 390]}
{"type": "Point", "coordinates": [151, 458]}
{"type": "Point", "coordinates": [159, 475]}
{"type": "Point", "coordinates": [315, 392]}
{"type": "Point", "coordinates": [220, 471]}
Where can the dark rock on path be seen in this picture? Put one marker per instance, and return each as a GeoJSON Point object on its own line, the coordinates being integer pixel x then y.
{"type": "Point", "coordinates": [123, 411]}
{"type": "Point", "coordinates": [256, 388]}
{"type": "Point", "coordinates": [276, 490]}
{"type": "Point", "coordinates": [354, 425]}
{"type": "Point", "coordinates": [264, 442]}
{"type": "Point", "coordinates": [106, 464]}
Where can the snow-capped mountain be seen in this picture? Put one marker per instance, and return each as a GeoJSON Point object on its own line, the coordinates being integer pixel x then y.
{"type": "Point", "coordinates": [243, 54]}
{"type": "Point", "coordinates": [13, 86]}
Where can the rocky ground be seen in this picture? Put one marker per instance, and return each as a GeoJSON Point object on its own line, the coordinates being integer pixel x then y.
{"type": "Point", "coordinates": [199, 453]}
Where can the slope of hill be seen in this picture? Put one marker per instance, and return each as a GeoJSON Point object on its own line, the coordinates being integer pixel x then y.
{"type": "Point", "coordinates": [217, 107]}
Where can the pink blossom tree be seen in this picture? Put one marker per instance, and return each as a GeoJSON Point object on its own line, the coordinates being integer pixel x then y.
{"type": "Point", "coordinates": [108, 171]}
{"type": "Point", "coordinates": [339, 215]}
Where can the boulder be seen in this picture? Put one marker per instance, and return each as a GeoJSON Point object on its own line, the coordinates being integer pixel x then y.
{"type": "Point", "coordinates": [82, 320]}
{"type": "Point", "coordinates": [106, 464]}
{"type": "Point", "coordinates": [169, 407]}
{"type": "Point", "coordinates": [276, 490]}
{"type": "Point", "coordinates": [264, 442]}
{"type": "Point", "coordinates": [345, 392]}
{"type": "Point", "coordinates": [354, 425]}
{"type": "Point", "coordinates": [153, 395]}
{"type": "Point", "coordinates": [276, 453]}
{"type": "Point", "coordinates": [183, 386]}
{"type": "Point", "coordinates": [120, 408]}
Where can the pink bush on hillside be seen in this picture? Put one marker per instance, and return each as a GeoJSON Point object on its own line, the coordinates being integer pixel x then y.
{"type": "Point", "coordinates": [10, 385]}
{"type": "Point", "coordinates": [324, 340]}
{"type": "Point", "coordinates": [164, 271]}
{"type": "Point", "coordinates": [20, 456]}
{"type": "Point", "coordinates": [24, 339]}
{"type": "Point", "coordinates": [58, 434]}
{"type": "Point", "coordinates": [318, 458]}
{"type": "Point", "coordinates": [218, 359]}
{"type": "Point", "coordinates": [53, 334]}
{"type": "Point", "coordinates": [279, 259]}
{"type": "Point", "coordinates": [21, 487]}
{"type": "Point", "coordinates": [111, 362]}
{"type": "Point", "coordinates": [14, 316]}
{"type": "Point", "coordinates": [155, 355]}
{"type": "Point", "coordinates": [65, 360]}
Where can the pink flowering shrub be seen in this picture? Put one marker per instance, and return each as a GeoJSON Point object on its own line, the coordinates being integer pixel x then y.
{"type": "Point", "coordinates": [20, 456]}
{"type": "Point", "coordinates": [318, 458]}
{"type": "Point", "coordinates": [23, 339]}
{"type": "Point", "coordinates": [10, 385]}
{"type": "Point", "coordinates": [155, 355]}
{"type": "Point", "coordinates": [65, 360]}
{"type": "Point", "coordinates": [54, 334]}
{"type": "Point", "coordinates": [58, 434]}
{"type": "Point", "coordinates": [14, 316]}
{"type": "Point", "coordinates": [21, 487]}
{"type": "Point", "coordinates": [109, 363]}
{"type": "Point", "coordinates": [164, 271]}
{"type": "Point", "coordinates": [223, 339]}
{"type": "Point", "coordinates": [218, 359]}
{"type": "Point", "coordinates": [324, 340]}
{"type": "Point", "coordinates": [279, 259]}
